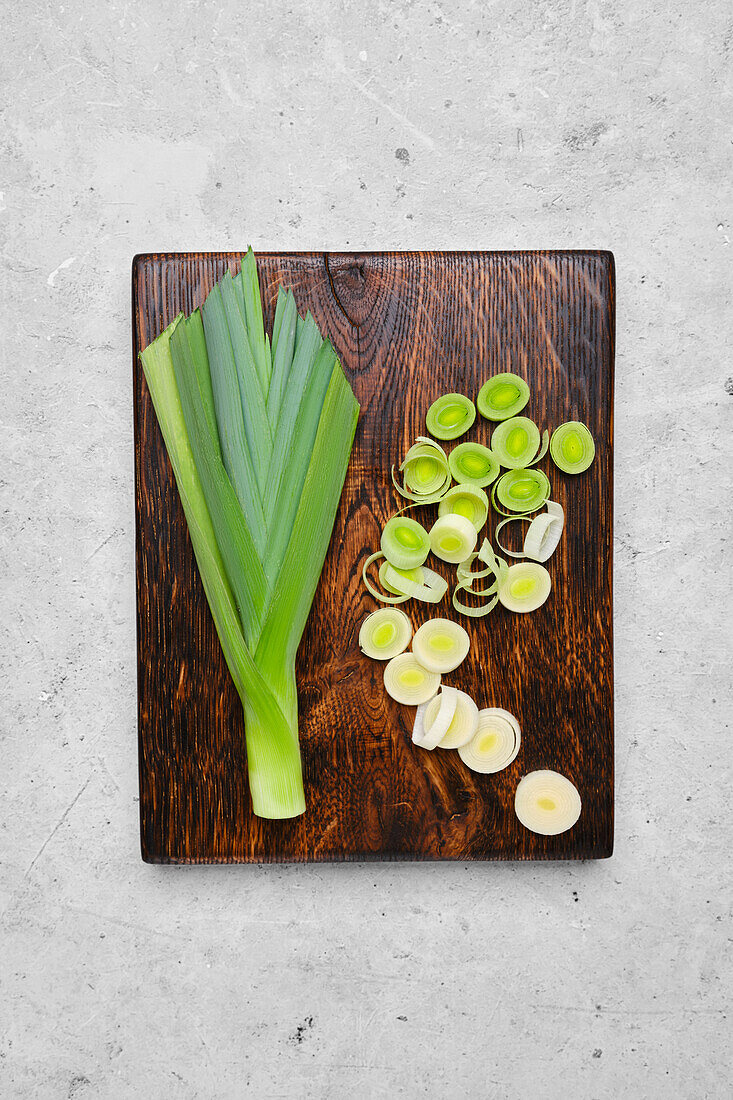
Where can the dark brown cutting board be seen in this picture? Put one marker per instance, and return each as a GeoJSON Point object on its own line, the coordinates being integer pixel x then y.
{"type": "Point", "coordinates": [408, 327]}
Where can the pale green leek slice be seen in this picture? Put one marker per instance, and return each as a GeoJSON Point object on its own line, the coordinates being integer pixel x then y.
{"type": "Point", "coordinates": [572, 448]}
{"type": "Point", "coordinates": [408, 682]}
{"type": "Point", "coordinates": [525, 587]}
{"type": "Point", "coordinates": [466, 500]}
{"type": "Point", "coordinates": [425, 472]}
{"type": "Point", "coordinates": [399, 598]}
{"type": "Point", "coordinates": [400, 577]}
{"type": "Point", "coordinates": [467, 581]}
{"type": "Point", "coordinates": [516, 443]}
{"type": "Point", "coordinates": [502, 396]}
{"type": "Point", "coordinates": [462, 726]}
{"type": "Point", "coordinates": [547, 803]}
{"type": "Point", "coordinates": [440, 645]}
{"type": "Point", "coordinates": [520, 491]}
{"type": "Point", "coordinates": [429, 589]}
{"type": "Point", "coordinates": [447, 701]}
{"type": "Point", "coordinates": [473, 464]}
{"type": "Point", "coordinates": [495, 744]}
{"type": "Point", "coordinates": [452, 538]}
{"type": "Point", "coordinates": [450, 416]}
{"type": "Point", "coordinates": [405, 543]}
{"type": "Point", "coordinates": [385, 633]}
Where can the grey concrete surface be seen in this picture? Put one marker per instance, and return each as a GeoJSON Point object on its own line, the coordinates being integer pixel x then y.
{"type": "Point", "coordinates": [137, 126]}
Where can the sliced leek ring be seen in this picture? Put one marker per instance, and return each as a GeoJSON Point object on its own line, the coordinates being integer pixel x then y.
{"type": "Point", "coordinates": [425, 472]}
{"type": "Point", "coordinates": [441, 645]}
{"type": "Point", "coordinates": [516, 443]}
{"type": "Point", "coordinates": [385, 633]}
{"type": "Point", "coordinates": [541, 540]}
{"type": "Point", "coordinates": [370, 587]}
{"type": "Point", "coordinates": [467, 579]}
{"type": "Point", "coordinates": [450, 416]}
{"type": "Point", "coordinates": [495, 744]}
{"type": "Point", "coordinates": [547, 803]}
{"type": "Point", "coordinates": [399, 577]}
{"type": "Point", "coordinates": [502, 396]}
{"type": "Point", "coordinates": [525, 587]}
{"type": "Point", "coordinates": [572, 448]}
{"type": "Point", "coordinates": [473, 464]}
{"type": "Point", "coordinates": [430, 739]}
{"type": "Point", "coordinates": [408, 682]}
{"type": "Point", "coordinates": [452, 538]}
{"type": "Point", "coordinates": [463, 724]}
{"type": "Point", "coordinates": [466, 500]}
{"type": "Point", "coordinates": [521, 491]}
{"type": "Point", "coordinates": [430, 589]}
{"type": "Point", "coordinates": [405, 543]}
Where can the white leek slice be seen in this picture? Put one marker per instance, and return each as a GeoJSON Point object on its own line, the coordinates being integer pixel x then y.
{"type": "Point", "coordinates": [385, 633]}
{"type": "Point", "coordinates": [400, 577]}
{"type": "Point", "coordinates": [370, 587]}
{"type": "Point", "coordinates": [405, 543]}
{"type": "Point", "coordinates": [547, 803]}
{"type": "Point", "coordinates": [429, 589]}
{"type": "Point", "coordinates": [408, 682]}
{"type": "Point", "coordinates": [440, 722]}
{"type": "Point", "coordinates": [441, 645]}
{"type": "Point", "coordinates": [495, 744]}
{"type": "Point", "coordinates": [542, 538]}
{"type": "Point", "coordinates": [425, 472]}
{"type": "Point", "coordinates": [525, 587]}
{"type": "Point", "coordinates": [462, 726]}
{"type": "Point", "coordinates": [452, 538]}
{"type": "Point", "coordinates": [466, 500]}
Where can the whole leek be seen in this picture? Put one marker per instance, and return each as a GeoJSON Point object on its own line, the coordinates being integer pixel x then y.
{"type": "Point", "coordinates": [259, 435]}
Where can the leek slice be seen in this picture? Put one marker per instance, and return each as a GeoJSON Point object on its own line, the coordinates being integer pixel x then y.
{"type": "Point", "coordinates": [430, 589]}
{"type": "Point", "coordinates": [467, 579]}
{"type": "Point", "coordinates": [374, 591]}
{"type": "Point", "coordinates": [408, 682]}
{"type": "Point", "coordinates": [466, 500]}
{"type": "Point", "coordinates": [399, 577]}
{"type": "Point", "coordinates": [502, 396]}
{"type": "Point", "coordinates": [405, 543]}
{"type": "Point", "coordinates": [516, 443]}
{"type": "Point", "coordinates": [525, 587]}
{"type": "Point", "coordinates": [450, 416]}
{"type": "Point", "coordinates": [425, 472]}
{"type": "Point", "coordinates": [440, 645]}
{"type": "Point", "coordinates": [542, 538]}
{"type": "Point", "coordinates": [572, 448]}
{"type": "Point", "coordinates": [462, 726]}
{"type": "Point", "coordinates": [521, 491]}
{"type": "Point", "coordinates": [547, 803]}
{"type": "Point", "coordinates": [385, 633]}
{"type": "Point", "coordinates": [495, 744]}
{"type": "Point", "coordinates": [452, 538]}
{"type": "Point", "coordinates": [430, 739]}
{"type": "Point", "coordinates": [473, 464]}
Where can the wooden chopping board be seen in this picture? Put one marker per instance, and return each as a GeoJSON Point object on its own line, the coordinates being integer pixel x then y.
{"type": "Point", "coordinates": [408, 327]}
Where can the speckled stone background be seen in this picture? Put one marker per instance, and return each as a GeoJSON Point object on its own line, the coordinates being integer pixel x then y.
{"type": "Point", "coordinates": [138, 126]}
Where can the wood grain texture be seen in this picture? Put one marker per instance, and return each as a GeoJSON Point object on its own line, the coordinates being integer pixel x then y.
{"type": "Point", "coordinates": [408, 327]}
